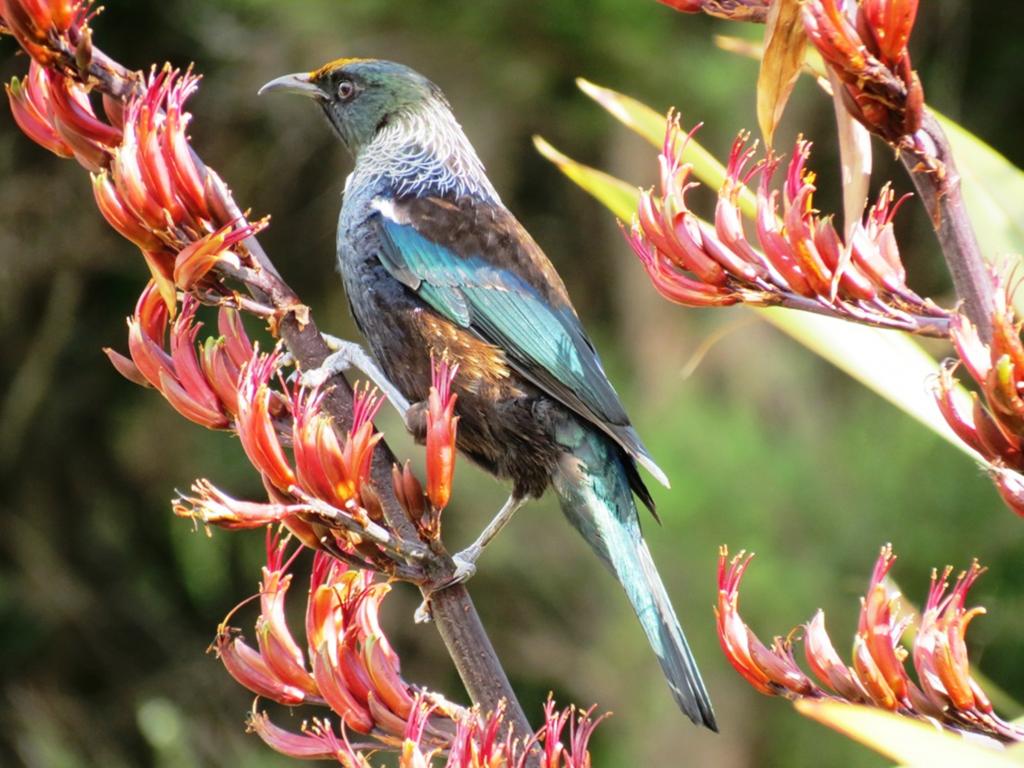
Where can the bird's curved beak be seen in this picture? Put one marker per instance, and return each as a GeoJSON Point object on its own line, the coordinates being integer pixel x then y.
{"type": "Point", "coordinates": [298, 83]}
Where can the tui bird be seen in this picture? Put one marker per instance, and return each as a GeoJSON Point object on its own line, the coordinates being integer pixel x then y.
{"type": "Point", "coordinates": [435, 266]}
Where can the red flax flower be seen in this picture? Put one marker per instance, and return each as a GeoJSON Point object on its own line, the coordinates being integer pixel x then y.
{"type": "Point", "coordinates": [346, 665]}
{"type": "Point", "coordinates": [199, 381]}
{"type": "Point", "coordinates": [38, 24]}
{"type": "Point", "coordinates": [30, 106]}
{"type": "Point", "coordinates": [865, 45]}
{"type": "Point", "coordinates": [993, 428]}
{"type": "Point", "coordinates": [442, 424]}
{"type": "Point", "coordinates": [803, 263]}
{"type": "Point", "coordinates": [320, 492]}
{"type": "Point", "coordinates": [947, 694]}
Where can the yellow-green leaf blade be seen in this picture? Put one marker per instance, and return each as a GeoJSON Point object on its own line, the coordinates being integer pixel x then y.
{"type": "Point", "coordinates": [646, 122]}
{"type": "Point", "coordinates": [910, 742]}
{"type": "Point", "coordinates": [889, 363]}
{"type": "Point", "coordinates": [993, 190]}
{"type": "Point", "coordinates": [615, 194]}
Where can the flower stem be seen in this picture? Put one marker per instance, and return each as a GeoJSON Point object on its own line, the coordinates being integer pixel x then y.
{"type": "Point", "coordinates": [933, 170]}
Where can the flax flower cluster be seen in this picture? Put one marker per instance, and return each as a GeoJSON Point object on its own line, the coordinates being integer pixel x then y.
{"type": "Point", "coordinates": [148, 184]}
{"type": "Point", "coordinates": [946, 693]}
{"type": "Point", "coordinates": [994, 424]}
{"type": "Point", "coordinates": [346, 664]}
{"type": "Point", "coordinates": [865, 44]}
{"type": "Point", "coordinates": [802, 262]}
{"type": "Point", "coordinates": [348, 669]}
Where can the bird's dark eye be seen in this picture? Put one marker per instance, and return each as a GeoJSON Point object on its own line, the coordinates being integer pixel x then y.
{"type": "Point", "coordinates": [346, 90]}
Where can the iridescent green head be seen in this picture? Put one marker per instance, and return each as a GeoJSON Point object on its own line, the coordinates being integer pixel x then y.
{"type": "Point", "coordinates": [361, 96]}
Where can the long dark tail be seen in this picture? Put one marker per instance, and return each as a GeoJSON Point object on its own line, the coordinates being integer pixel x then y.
{"type": "Point", "coordinates": [593, 486]}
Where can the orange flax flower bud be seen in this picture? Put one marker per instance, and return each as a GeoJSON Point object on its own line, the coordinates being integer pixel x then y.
{"type": "Point", "coordinates": [222, 358]}
{"type": "Point", "coordinates": [868, 53]}
{"type": "Point", "coordinates": [90, 138]}
{"type": "Point", "coordinates": [30, 107]}
{"type": "Point", "coordinates": [408, 490]}
{"type": "Point", "coordinates": [277, 646]}
{"type": "Point", "coordinates": [257, 404]}
{"type": "Point", "coordinates": [177, 374]}
{"type": "Point", "coordinates": [771, 671]}
{"type": "Point", "coordinates": [442, 425]}
{"type": "Point", "coordinates": [195, 260]}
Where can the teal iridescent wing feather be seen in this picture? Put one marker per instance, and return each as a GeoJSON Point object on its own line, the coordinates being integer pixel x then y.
{"type": "Point", "coordinates": [473, 263]}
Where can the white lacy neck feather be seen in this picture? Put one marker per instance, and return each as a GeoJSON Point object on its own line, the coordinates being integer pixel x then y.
{"type": "Point", "coordinates": [423, 151]}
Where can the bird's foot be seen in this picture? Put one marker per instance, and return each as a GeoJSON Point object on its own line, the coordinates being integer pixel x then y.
{"type": "Point", "coordinates": [465, 569]}
{"type": "Point", "coordinates": [348, 355]}
{"type": "Point", "coordinates": [424, 614]}
{"type": "Point", "coordinates": [465, 564]}
{"type": "Point", "coordinates": [339, 361]}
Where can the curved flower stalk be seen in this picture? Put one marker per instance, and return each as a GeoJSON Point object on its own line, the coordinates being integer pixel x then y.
{"type": "Point", "coordinates": [865, 45]}
{"type": "Point", "coordinates": [947, 694]}
{"type": "Point", "coordinates": [994, 425]}
{"type": "Point", "coordinates": [803, 263]}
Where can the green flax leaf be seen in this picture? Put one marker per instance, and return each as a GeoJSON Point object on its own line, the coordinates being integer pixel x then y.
{"type": "Point", "coordinates": [911, 742]}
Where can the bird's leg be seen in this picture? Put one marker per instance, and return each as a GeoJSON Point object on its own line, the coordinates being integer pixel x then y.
{"type": "Point", "coordinates": [346, 355]}
{"type": "Point", "coordinates": [465, 561]}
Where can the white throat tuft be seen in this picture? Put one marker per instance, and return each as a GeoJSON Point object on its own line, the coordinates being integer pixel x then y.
{"type": "Point", "coordinates": [423, 151]}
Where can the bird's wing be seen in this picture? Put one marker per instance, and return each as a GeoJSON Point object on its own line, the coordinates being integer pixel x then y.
{"type": "Point", "coordinates": [473, 263]}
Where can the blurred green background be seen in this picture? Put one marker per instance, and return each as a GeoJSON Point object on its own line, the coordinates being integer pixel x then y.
{"type": "Point", "coordinates": [107, 602]}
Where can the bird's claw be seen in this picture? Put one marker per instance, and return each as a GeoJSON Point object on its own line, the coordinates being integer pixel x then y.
{"type": "Point", "coordinates": [465, 569]}
{"type": "Point", "coordinates": [424, 614]}
{"type": "Point", "coordinates": [335, 363]}
{"type": "Point", "coordinates": [465, 565]}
